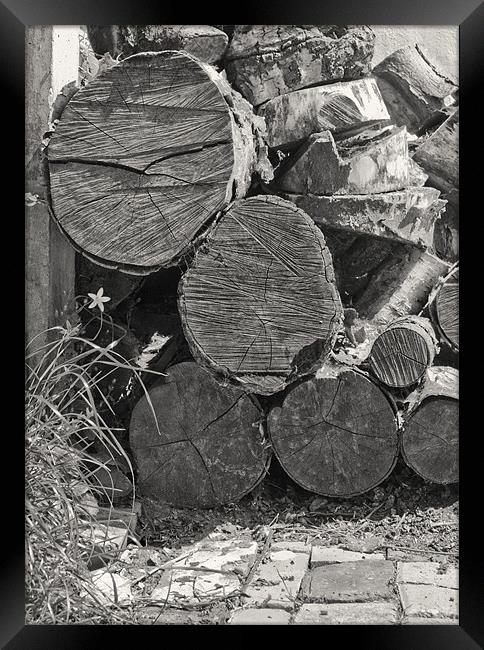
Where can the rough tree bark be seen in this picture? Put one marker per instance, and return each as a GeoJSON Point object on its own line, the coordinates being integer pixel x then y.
{"type": "Point", "coordinates": [430, 438]}
{"type": "Point", "coordinates": [405, 216]}
{"type": "Point", "coordinates": [400, 285]}
{"type": "Point", "coordinates": [204, 42]}
{"type": "Point", "coordinates": [365, 164]}
{"type": "Point", "coordinates": [340, 108]}
{"type": "Point", "coordinates": [335, 434]}
{"type": "Point", "coordinates": [264, 61]}
{"type": "Point", "coordinates": [412, 87]}
{"type": "Point", "coordinates": [146, 155]}
{"type": "Point", "coordinates": [259, 305]}
{"type": "Point", "coordinates": [401, 354]}
{"type": "Point", "coordinates": [195, 443]}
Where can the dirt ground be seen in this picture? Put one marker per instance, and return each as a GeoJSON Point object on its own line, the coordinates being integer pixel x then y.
{"type": "Point", "coordinates": [405, 513]}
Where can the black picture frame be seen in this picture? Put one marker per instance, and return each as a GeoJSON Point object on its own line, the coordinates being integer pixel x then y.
{"type": "Point", "coordinates": [15, 15]}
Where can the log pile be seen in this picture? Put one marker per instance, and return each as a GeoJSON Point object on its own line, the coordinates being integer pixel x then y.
{"type": "Point", "coordinates": [274, 221]}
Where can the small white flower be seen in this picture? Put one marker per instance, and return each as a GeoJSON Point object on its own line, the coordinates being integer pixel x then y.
{"type": "Point", "coordinates": [98, 299]}
{"type": "Point", "coordinates": [31, 199]}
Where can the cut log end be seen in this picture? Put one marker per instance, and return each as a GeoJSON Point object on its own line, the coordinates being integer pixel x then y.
{"type": "Point", "coordinates": [430, 438]}
{"type": "Point", "coordinates": [402, 353]}
{"type": "Point", "coordinates": [143, 158]}
{"type": "Point", "coordinates": [209, 450]}
{"type": "Point", "coordinates": [259, 305]}
{"type": "Point", "coordinates": [444, 310]}
{"type": "Point", "coordinates": [336, 436]}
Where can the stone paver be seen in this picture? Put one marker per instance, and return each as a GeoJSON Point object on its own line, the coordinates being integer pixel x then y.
{"type": "Point", "coordinates": [418, 620]}
{"type": "Point", "coordinates": [428, 573]}
{"type": "Point", "coordinates": [260, 617]}
{"type": "Point", "coordinates": [429, 600]}
{"type": "Point", "coordinates": [321, 555]}
{"type": "Point", "coordinates": [383, 613]}
{"type": "Point", "coordinates": [296, 547]}
{"type": "Point", "coordinates": [169, 616]}
{"type": "Point", "coordinates": [277, 581]}
{"type": "Point", "coordinates": [349, 582]}
{"type": "Point", "coordinates": [212, 569]}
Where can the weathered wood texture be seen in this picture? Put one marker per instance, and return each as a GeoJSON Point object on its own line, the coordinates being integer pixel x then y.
{"type": "Point", "coordinates": [264, 61]}
{"type": "Point", "coordinates": [412, 87]}
{"type": "Point", "coordinates": [438, 155]}
{"type": "Point", "coordinates": [205, 42]}
{"type": "Point", "coordinates": [400, 286]}
{"type": "Point", "coordinates": [430, 438]}
{"type": "Point", "coordinates": [341, 107]}
{"type": "Point", "coordinates": [402, 353]}
{"type": "Point", "coordinates": [365, 164]}
{"type": "Point", "coordinates": [259, 304]}
{"type": "Point", "coordinates": [444, 308]}
{"type": "Point", "coordinates": [51, 62]}
{"type": "Point", "coordinates": [407, 215]}
{"type": "Point", "coordinates": [335, 435]}
{"type": "Point", "coordinates": [197, 444]}
{"type": "Point", "coordinates": [146, 155]}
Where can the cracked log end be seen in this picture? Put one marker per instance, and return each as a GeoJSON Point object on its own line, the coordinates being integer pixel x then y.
{"type": "Point", "coordinates": [430, 438]}
{"type": "Point", "coordinates": [444, 310]}
{"type": "Point", "coordinates": [336, 435]}
{"type": "Point", "coordinates": [144, 157]}
{"type": "Point", "coordinates": [402, 353]}
{"type": "Point", "coordinates": [264, 61]}
{"type": "Point", "coordinates": [259, 305]}
{"type": "Point", "coordinates": [210, 449]}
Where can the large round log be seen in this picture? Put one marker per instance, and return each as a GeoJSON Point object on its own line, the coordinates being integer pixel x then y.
{"type": "Point", "coordinates": [195, 443]}
{"type": "Point", "coordinates": [402, 353]}
{"type": "Point", "coordinates": [259, 304]}
{"type": "Point", "coordinates": [264, 61]}
{"type": "Point", "coordinates": [430, 438]}
{"type": "Point", "coordinates": [336, 434]}
{"type": "Point", "coordinates": [145, 155]}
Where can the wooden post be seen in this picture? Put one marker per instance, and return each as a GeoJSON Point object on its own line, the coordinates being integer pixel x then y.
{"type": "Point", "coordinates": [52, 61]}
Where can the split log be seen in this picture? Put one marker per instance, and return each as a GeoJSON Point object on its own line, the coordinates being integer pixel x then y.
{"type": "Point", "coordinates": [259, 305]}
{"type": "Point", "coordinates": [204, 42]}
{"type": "Point", "coordinates": [444, 308]}
{"type": "Point", "coordinates": [402, 353]}
{"type": "Point", "coordinates": [195, 443]}
{"type": "Point", "coordinates": [264, 61]}
{"type": "Point", "coordinates": [406, 216]}
{"type": "Point", "coordinates": [364, 164]}
{"type": "Point", "coordinates": [412, 87]}
{"type": "Point", "coordinates": [400, 286]}
{"type": "Point", "coordinates": [343, 107]}
{"type": "Point", "coordinates": [146, 155]}
{"type": "Point", "coordinates": [335, 434]}
{"type": "Point", "coordinates": [430, 438]}
{"type": "Point", "coordinates": [439, 155]}
{"type": "Point", "coordinates": [446, 232]}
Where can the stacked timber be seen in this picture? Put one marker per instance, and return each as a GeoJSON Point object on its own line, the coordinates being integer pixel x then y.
{"type": "Point", "coordinates": [292, 296]}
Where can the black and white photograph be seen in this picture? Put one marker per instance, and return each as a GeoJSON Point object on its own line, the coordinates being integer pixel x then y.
{"type": "Point", "coordinates": [242, 325]}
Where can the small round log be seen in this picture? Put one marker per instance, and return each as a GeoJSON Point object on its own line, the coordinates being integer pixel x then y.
{"type": "Point", "coordinates": [430, 438]}
{"type": "Point", "coordinates": [402, 353]}
{"type": "Point", "coordinates": [146, 155]}
{"type": "Point", "coordinates": [259, 305]}
{"type": "Point", "coordinates": [195, 443]}
{"type": "Point", "coordinates": [335, 435]}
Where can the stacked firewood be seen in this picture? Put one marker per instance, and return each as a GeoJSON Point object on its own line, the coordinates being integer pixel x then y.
{"type": "Point", "coordinates": [269, 207]}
